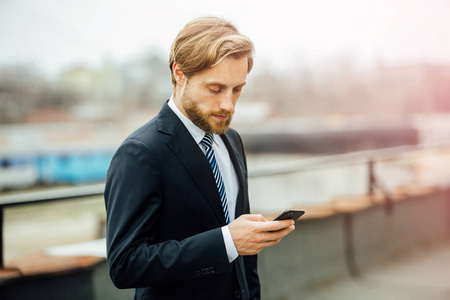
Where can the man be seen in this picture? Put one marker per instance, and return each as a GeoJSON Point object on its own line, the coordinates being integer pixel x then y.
{"type": "Point", "coordinates": [178, 222]}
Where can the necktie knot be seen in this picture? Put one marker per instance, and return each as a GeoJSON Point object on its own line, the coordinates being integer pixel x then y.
{"type": "Point", "coordinates": [207, 140]}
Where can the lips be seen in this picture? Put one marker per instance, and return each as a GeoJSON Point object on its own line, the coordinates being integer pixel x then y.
{"type": "Point", "coordinates": [220, 117]}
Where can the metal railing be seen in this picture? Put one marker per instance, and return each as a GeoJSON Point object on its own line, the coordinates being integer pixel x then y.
{"type": "Point", "coordinates": [58, 194]}
{"type": "Point", "coordinates": [369, 157]}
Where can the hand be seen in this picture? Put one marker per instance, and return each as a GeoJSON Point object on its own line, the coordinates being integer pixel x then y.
{"type": "Point", "coordinates": [252, 233]}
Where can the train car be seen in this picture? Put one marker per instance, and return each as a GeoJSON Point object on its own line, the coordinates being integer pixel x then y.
{"type": "Point", "coordinates": [53, 167]}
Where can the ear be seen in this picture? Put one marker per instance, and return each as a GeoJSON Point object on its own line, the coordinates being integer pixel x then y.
{"type": "Point", "coordinates": [178, 74]}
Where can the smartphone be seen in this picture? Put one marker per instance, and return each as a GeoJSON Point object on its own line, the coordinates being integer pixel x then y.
{"type": "Point", "coordinates": [293, 214]}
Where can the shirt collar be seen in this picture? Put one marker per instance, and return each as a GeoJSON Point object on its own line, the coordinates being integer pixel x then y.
{"type": "Point", "coordinates": [195, 131]}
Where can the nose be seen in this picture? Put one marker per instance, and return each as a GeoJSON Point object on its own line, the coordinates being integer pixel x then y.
{"type": "Point", "coordinates": [227, 102]}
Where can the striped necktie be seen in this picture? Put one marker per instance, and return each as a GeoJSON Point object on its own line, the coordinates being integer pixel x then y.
{"type": "Point", "coordinates": [207, 142]}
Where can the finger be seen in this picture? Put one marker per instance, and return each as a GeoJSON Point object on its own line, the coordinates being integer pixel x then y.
{"type": "Point", "coordinates": [284, 223]}
{"type": "Point", "coordinates": [256, 217]}
{"type": "Point", "coordinates": [268, 244]}
{"type": "Point", "coordinates": [276, 225]}
{"type": "Point", "coordinates": [269, 239]}
{"type": "Point", "coordinates": [279, 234]}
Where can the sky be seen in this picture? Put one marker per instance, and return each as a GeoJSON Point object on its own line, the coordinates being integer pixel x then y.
{"type": "Point", "coordinates": [55, 34]}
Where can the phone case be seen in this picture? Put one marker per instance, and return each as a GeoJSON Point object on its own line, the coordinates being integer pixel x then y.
{"type": "Point", "coordinates": [293, 214]}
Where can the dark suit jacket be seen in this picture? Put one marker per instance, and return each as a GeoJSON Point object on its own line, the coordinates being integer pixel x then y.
{"type": "Point", "coordinates": [164, 217]}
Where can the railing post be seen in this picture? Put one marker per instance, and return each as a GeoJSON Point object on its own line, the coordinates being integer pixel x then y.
{"type": "Point", "coordinates": [1, 237]}
{"type": "Point", "coordinates": [371, 177]}
{"type": "Point", "coordinates": [349, 244]}
{"type": "Point", "coordinates": [373, 183]}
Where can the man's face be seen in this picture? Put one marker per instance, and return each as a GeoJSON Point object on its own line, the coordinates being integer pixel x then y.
{"type": "Point", "coordinates": [208, 98]}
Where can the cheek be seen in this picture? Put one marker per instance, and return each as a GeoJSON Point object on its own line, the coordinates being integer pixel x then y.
{"type": "Point", "coordinates": [206, 102]}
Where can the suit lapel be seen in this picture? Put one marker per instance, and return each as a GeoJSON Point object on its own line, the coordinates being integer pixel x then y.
{"type": "Point", "coordinates": [237, 160]}
{"type": "Point", "coordinates": [238, 163]}
{"type": "Point", "coordinates": [188, 152]}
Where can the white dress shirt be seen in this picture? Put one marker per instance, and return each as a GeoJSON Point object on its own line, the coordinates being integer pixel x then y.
{"type": "Point", "coordinates": [227, 171]}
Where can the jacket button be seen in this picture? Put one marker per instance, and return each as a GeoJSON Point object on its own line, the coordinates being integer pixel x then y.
{"type": "Point", "coordinates": [237, 295]}
{"type": "Point", "coordinates": [198, 273]}
{"type": "Point", "coordinates": [213, 270]}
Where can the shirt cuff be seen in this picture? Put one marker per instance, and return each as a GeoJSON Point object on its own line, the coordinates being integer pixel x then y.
{"type": "Point", "coordinates": [229, 244]}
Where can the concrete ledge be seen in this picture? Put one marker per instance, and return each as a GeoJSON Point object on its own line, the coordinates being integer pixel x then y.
{"type": "Point", "coordinates": [41, 264]}
{"type": "Point", "coordinates": [76, 271]}
{"type": "Point", "coordinates": [314, 252]}
{"type": "Point", "coordinates": [43, 277]}
{"type": "Point", "coordinates": [335, 248]}
{"type": "Point", "coordinates": [420, 222]}
{"type": "Point", "coordinates": [342, 241]}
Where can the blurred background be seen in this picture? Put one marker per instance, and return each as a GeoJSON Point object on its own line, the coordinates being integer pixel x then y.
{"type": "Point", "coordinates": [337, 86]}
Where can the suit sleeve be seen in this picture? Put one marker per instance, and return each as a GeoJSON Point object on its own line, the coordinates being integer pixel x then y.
{"type": "Point", "coordinates": [133, 197]}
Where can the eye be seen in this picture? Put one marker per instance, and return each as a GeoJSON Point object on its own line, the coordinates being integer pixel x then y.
{"type": "Point", "coordinates": [215, 90]}
{"type": "Point", "coordinates": [237, 90]}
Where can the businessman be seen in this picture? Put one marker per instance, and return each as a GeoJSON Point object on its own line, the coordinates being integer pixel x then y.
{"type": "Point", "coordinates": [178, 216]}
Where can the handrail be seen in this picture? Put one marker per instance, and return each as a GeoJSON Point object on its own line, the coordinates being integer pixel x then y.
{"type": "Point", "coordinates": [279, 168]}
{"type": "Point", "coordinates": [53, 195]}
{"type": "Point", "coordinates": [303, 165]}
{"type": "Point", "coordinates": [338, 160]}
{"type": "Point", "coordinates": [45, 196]}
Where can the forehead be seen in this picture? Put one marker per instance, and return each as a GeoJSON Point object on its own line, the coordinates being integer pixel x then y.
{"type": "Point", "coordinates": [230, 71]}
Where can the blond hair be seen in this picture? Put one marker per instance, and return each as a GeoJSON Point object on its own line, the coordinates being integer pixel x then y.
{"type": "Point", "coordinates": [204, 42]}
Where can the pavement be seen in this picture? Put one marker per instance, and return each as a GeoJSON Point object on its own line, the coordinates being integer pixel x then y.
{"type": "Point", "coordinates": [417, 276]}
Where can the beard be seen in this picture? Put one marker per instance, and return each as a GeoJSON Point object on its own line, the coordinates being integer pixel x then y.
{"type": "Point", "coordinates": [205, 119]}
